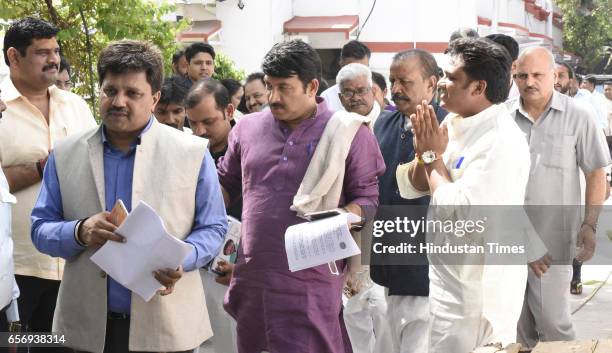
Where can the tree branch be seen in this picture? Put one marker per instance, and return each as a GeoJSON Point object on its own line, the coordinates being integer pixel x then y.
{"type": "Point", "coordinates": [92, 90]}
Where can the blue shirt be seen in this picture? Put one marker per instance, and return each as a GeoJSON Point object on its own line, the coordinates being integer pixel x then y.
{"type": "Point", "coordinates": [54, 236]}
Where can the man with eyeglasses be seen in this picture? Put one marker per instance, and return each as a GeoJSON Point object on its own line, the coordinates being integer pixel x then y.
{"type": "Point", "coordinates": [365, 310]}
{"type": "Point", "coordinates": [356, 94]}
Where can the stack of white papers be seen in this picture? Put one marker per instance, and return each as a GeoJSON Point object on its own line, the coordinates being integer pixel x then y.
{"type": "Point", "coordinates": [148, 248]}
{"type": "Point", "coordinates": [323, 241]}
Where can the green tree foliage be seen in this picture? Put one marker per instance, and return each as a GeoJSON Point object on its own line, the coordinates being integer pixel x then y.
{"type": "Point", "coordinates": [87, 26]}
{"type": "Point", "coordinates": [224, 68]}
{"type": "Point", "coordinates": [587, 30]}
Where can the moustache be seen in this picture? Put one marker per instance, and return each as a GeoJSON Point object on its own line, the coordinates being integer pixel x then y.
{"type": "Point", "coordinates": [117, 111]}
{"type": "Point", "coordinates": [277, 106]}
{"type": "Point", "coordinates": [531, 88]}
{"type": "Point", "coordinates": [50, 66]}
{"type": "Point", "coordinates": [398, 97]}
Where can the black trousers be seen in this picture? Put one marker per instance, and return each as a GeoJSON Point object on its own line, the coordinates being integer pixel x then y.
{"type": "Point", "coordinates": [36, 306]}
{"type": "Point", "coordinates": [118, 335]}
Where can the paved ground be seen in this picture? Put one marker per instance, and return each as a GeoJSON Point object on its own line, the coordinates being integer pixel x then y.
{"type": "Point", "coordinates": [593, 308]}
{"type": "Point", "coordinates": [593, 318]}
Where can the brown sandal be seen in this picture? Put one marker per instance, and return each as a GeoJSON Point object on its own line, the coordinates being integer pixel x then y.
{"type": "Point", "coordinates": [576, 287]}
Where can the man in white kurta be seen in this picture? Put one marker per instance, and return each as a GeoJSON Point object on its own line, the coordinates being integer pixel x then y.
{"type": "Point", "coordinates": [478, 156]}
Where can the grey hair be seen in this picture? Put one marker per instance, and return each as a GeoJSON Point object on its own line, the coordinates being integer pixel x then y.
{"type": "Point", "coordinates": [551, 57]}
{"type": "Point", "coordinates": [352, 71]}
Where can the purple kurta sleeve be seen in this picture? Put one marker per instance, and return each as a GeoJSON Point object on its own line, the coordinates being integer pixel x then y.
{"type": "Point", "coordinates": [229, 168]}
{"type": "Point", "coordinates": [364, 164]}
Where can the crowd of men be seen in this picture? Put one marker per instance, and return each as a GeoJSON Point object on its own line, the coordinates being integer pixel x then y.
{"type": "Point", "coordinates": [493, 127]}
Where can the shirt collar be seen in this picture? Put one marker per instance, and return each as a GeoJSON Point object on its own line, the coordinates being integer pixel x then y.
{"type": "Point", "coordinates": [554, 103]}
{"type": "Point", "coordinates": [105, 139]}
{"type": "Point", "coordinates": [10, 92]}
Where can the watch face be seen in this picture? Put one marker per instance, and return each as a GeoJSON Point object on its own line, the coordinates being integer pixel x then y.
{"type": "Point", "coordinates": [429, 157]}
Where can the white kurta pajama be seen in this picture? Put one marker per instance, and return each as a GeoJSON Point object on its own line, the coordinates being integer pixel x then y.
{"type": "Point", "coordinates": [474, 305]}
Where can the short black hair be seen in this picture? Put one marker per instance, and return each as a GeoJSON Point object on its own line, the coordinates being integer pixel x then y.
{"type": "Point", "coordinates": [132, 56]}
{"type": "Point", "coordinates": [256, 76]}
{"type": "Point", "coordinates": [356, 50]}
{"type": "Point", "coordinates": [177, 56]}
{"type": "Point", "coordinates": [464, 32]}
{"type": "Point", "coordinates": [507, 42]}
{"type": "Point", "coordinates": [429, 66]}
{"type": "Point", "coordinates": [591, 79]}
{"type": "Point", "coordinates": [379, 80]}
{"type": "Point", "coordinates": [293, 58]}
{"type": "Point", "coordinates": [199, 47]}
{"type": "Point", "coordinates": [21, 33]}
{"type": "Point", "coordinates": [570, 71]}
{"type": "Point", "coordinates": [65, 65]}
{"type": "Point", "coordinates": [579, 79]}
{"type": "Point", "coordinates": [231, 85]}
{"type": "Point", "coordinates": [205, 87]}
{"type": "Point", "coordinates": [323, 85]}
{"type": "Point", "coordinates": [173, 91]}
{"type": "Point", "coordinates": [485, 60]}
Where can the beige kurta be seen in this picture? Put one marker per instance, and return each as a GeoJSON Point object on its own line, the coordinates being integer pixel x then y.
{"type": "Point", "coordinates": [25, 137]}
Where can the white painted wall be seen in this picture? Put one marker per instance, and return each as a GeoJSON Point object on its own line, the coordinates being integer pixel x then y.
{"type": "Point", "coordinates": [328, 7]}
{"type": "Point", "coordinates": [391, 21]}
{"type": "Point", "coordinates": [246, 35]}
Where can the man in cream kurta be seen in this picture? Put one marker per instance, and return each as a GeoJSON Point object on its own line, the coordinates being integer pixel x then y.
{"type": "Point", "coordinates": [37, 116]}
{"type": "Point", "coordinates": [470, 305]}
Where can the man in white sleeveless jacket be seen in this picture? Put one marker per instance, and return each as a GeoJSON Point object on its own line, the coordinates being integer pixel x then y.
{"type": "Point", "coordinates": [134, 158]}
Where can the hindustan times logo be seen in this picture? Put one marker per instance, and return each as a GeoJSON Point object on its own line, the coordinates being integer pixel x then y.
{"type": "Point", "coordinates": [412, 227]}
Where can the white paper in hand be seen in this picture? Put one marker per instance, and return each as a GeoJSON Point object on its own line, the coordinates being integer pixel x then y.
{"type": "Point", "coordinates": [148, 248]}
{"type": "Point", "coordinates": [319, 242]}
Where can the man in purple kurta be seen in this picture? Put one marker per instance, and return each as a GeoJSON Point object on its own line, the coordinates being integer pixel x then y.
{"type": "Point", "coordinates": [276, 310]}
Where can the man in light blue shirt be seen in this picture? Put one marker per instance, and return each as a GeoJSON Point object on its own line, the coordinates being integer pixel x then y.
{"type": "Point", "coordinates": [131, 157]}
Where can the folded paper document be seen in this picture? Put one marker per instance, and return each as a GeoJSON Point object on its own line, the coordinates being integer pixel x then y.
{"type": "Point", "coordinates": [319, 242]}
{"type": "Point", "coordinates": [148, 248]}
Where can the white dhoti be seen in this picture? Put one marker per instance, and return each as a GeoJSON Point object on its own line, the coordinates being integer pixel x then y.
{"type": "Point", "coordinates": [223, 325]}
{"type": "Point", "coordinates": [409, 321]}
{"type": "Point", "coordinates": [474, 305]}
{"type": "Point", "coordinates": [365, 321]}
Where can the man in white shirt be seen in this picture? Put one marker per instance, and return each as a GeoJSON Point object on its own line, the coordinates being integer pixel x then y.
{"type": "Point", "coordinates": [9, 292]}
{"type": "Point", "coordinates": [465, 162]}
{"type": "Point", "coordinates": [365, 310]}
{"type": "Point", "coordinates": [352, 52]}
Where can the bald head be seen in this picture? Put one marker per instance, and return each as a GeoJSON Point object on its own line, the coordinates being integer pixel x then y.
{"type": "Point", "coordinates": [535, 75]}
{"type": "Point", "coordinates": [539, 54]}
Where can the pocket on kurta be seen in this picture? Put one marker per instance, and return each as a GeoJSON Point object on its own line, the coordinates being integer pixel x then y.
{"type": "Point", "coordinates": [559, 151]}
